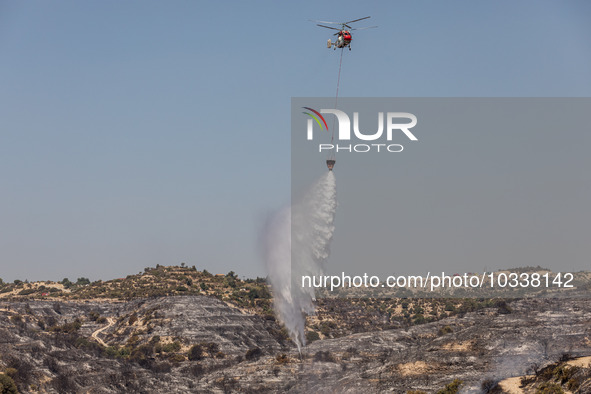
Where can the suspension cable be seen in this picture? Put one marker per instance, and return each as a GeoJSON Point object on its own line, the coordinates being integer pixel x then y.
{"type": "Point", "coordinates": [336, 100]}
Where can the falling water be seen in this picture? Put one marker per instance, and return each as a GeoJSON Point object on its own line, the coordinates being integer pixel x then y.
{"type": "Point", "coordinates": [296, 243]}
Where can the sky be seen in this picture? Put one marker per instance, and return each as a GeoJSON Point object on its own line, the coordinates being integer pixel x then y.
{"type": "Point", "coordinates": [490, 183]}
{"type": "Point", "coordinates": [143, 132]}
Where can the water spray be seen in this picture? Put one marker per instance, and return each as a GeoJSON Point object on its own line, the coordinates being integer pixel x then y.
{"type": "Point", "coordinates": [296, 242]}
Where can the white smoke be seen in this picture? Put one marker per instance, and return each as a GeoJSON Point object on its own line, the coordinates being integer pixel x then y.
{"type": "Point", "coordinates": [296, 243]}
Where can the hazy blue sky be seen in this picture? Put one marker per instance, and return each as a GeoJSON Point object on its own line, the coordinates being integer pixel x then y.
{"type": "Point", "coordinates": [491, 182]}
{"type": "Point", "coordinates": [139, 133]}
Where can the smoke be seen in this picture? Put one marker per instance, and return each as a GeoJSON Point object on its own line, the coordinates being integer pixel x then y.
{"type": "Point", "coordinates": [297, 242]}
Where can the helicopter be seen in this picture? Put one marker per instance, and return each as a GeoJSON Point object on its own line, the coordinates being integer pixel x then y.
{"type": "Point", "coordinates": [344, 35]}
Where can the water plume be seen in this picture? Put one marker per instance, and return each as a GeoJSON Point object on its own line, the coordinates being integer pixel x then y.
{"type": "Point", "coordinates": [297, 242]}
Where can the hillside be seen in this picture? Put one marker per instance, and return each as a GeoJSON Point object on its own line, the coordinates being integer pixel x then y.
{"type": "Point", "coordinates": [334, 317]}
{"type": "Point", "coordinates": [175, 329]}
{"type": "Point", "coordinates": [567, 375]}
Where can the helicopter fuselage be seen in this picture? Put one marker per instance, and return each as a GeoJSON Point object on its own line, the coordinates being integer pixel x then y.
{"type": "Point", "coordinates": [343, 40]}
{"type": "Point", "coordinates": [343, 33]}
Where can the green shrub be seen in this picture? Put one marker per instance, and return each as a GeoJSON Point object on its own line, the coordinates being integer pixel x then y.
{"type": "Point", "coordinates": [564, 373]}
{"type": "Point", "coordinates": [176, 358]}
{"type": "Point", "coordinates": [419, 319]}
{"type": "Point", "coordinates": [68, 328]}
{"type": "Point", "coordinates": [312, 336]}
{"type": "Point", "coordinates": [574, 383]}
{"type": "Point", "coordinates": [451, 388]}
{"type": "Point", "coordinates": [171, 347]}
{"type": "Point", "coordinates": [7, 385]}
{"type": "Point", "coordinates": [549, 388]}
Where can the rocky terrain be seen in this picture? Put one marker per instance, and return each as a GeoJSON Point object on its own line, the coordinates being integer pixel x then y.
{"type": "Point", "coordinates": [217, 338]}
{"type": "Point", "coordinates": [47, 346]}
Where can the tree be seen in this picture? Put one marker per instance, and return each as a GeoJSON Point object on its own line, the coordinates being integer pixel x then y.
{"type": "Point", "coordinates": [7, 385]}
{"type": "Point", "coordinates": [232, 275]}
{"type": "Point", "coordinates": [83, 281]}
{"type": "Point", "coordinates": [66, 282]}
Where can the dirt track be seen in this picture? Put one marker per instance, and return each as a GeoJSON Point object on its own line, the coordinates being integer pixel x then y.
{"type": "Point", "coordinates": [110, 322]}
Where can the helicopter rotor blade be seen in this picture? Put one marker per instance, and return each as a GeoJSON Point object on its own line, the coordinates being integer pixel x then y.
{"type": "Point", "coordinates": [356, 20]}
{"type": "Point", "coordinates": [328, 27]}
{"type": "Point", "coordinates": [363, 28]}
{"type": "Point", "coordinates": [330, 23]}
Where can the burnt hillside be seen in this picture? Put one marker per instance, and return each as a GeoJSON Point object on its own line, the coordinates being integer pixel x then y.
{"type": "Point", "coordinates": [184, 344]}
